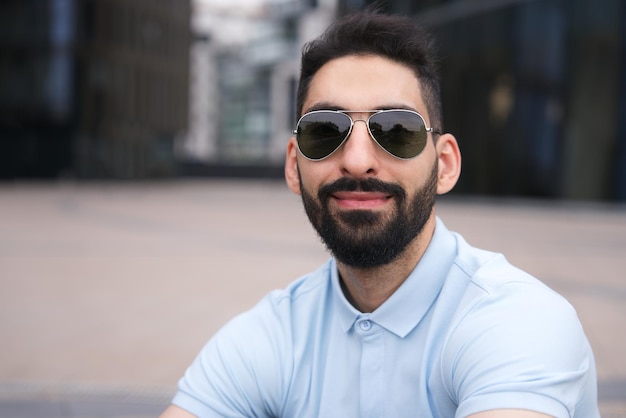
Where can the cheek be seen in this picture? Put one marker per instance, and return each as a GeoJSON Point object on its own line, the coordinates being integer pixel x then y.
{"type": "Point", "coordinates": [422, 177]}
{"type": "Point", "coordinates": [309, 190]}
{"type": "Point", "coordinates": [314, 174]}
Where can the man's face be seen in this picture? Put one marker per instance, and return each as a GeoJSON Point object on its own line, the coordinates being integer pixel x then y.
{"type": "Point", "coordinates": [365, 204]}
{"type": "Point", "coordinates": [365, 238]}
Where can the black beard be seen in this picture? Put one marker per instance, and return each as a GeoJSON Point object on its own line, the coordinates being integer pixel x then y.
{"type": "Point", "coordinates": [364, 238]}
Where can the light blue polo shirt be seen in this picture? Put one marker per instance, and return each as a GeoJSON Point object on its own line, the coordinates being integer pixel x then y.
{"type": "Point", "coordinates": [466, 332]}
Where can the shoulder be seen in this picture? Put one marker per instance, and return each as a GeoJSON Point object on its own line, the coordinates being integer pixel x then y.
{"type": "Point", "coordinates": [273, 316]}
{"type": "Point", "coordinates": [484, 274]}
{"type": "Point", "coordinates": [303, 290]}
{"type": "Point", "coordinates": [266, 331]}
{"type": "Point", "coordinates": [510, 335]}
{"type": "Point", "coordinates": [501, 296]}
{"type": "Point", "coordinates": [246, 367]}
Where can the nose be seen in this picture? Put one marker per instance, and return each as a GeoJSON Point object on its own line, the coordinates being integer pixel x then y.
{"type": "Point", "coordinates": [359, 154]}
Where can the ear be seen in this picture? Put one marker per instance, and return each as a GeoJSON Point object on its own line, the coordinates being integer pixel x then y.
{"type": "Point", "coordinates": [449, 157]}
{"type": "Point", "coordinates": [291, 166]}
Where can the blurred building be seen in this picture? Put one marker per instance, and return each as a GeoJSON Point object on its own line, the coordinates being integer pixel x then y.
{"type": "Point", "coordinates": [92, 88]}
{"type": "Point", "coordinates": [199, 145]}
{"type": "Point", "coordinates": [36, 88]}
{"type": "Point", "coordinates": [535, 91]}
{"type": "Point", "coordinates": [250, 62]}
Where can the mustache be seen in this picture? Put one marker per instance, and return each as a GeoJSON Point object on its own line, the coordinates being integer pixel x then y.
{"type": "Point", "coordinates": [346, 184]}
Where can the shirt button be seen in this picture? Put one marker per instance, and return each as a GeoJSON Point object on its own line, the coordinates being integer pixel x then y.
{"type": "Point", "coordinates": [365, 325]}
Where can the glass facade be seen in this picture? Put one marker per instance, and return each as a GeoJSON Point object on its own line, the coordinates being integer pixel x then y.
{"type": "Point", "coordinates": [92, 88]}
{"type": "Point", "coordinates": [35, 96]}
{"type": "Point", "coordinates": [535, 91]}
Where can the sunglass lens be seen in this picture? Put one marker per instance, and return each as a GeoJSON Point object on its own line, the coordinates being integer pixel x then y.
{"type": "Point", "coordinates": [321, 133]}
{"type": "Point", "coordinates": [401, 133]}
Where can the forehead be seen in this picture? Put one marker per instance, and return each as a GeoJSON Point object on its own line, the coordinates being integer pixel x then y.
{"type": "Point", "coordinates": [364, 82]}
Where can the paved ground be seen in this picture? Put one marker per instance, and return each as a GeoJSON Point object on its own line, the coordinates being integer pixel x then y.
{"type": "Point", "coordinates": [107, 291]}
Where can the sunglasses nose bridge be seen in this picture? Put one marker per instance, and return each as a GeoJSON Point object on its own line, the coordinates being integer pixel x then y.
{"type": "Point", "coordinates": [367, 128]}
{"type": "Point", "coordinates": [358, 141]}
{"type": "Point", "coordinates": [354, 121]}
{"type": "Point", "coordinates": [365, 121]}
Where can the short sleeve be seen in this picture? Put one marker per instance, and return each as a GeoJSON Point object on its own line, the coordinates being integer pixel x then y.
{"type": "Point", "coordinates": [520, 346]}
{"type": "Point", "coordinates": [239, 372]}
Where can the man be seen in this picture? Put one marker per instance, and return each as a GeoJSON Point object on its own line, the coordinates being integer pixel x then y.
{"type": "Point", "coordinates": [406, 319]}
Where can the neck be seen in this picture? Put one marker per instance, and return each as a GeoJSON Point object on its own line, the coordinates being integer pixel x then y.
{"type": "Point", "coordinates": [367, 289]}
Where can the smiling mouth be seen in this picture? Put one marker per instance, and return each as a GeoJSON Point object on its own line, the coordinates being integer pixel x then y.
{"type": "Point", "coordinates": [361, 200]}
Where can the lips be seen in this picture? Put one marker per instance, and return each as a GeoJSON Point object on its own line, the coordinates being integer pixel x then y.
{"type": "Point", "coordinates": [360, 200]}
{"type": "Point", "coordinates": [365, 194]}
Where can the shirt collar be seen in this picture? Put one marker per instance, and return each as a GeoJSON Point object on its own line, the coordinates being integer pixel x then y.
{"type": "Point", "coordinates": [404, 310]}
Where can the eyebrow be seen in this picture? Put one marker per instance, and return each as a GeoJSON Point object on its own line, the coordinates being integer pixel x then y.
{"type": "Point", "coordinates": [332, 106]}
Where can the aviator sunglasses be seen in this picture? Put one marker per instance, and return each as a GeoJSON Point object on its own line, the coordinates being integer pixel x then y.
{"type": "Point", "coordinates": [402, 133]}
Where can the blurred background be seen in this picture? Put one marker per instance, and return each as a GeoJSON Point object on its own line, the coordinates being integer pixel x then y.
{"type": "Point", "coordinates": [535, 90]}
{"type": "Point", "coordinates": [141, 195]}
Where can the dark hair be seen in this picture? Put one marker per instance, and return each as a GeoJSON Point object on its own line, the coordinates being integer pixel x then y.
{"type": "Point", "coordinates": [397, 38]}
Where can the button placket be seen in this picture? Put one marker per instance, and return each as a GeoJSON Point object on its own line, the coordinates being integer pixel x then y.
{"type": "Point", "coordinates": [372, 391]}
